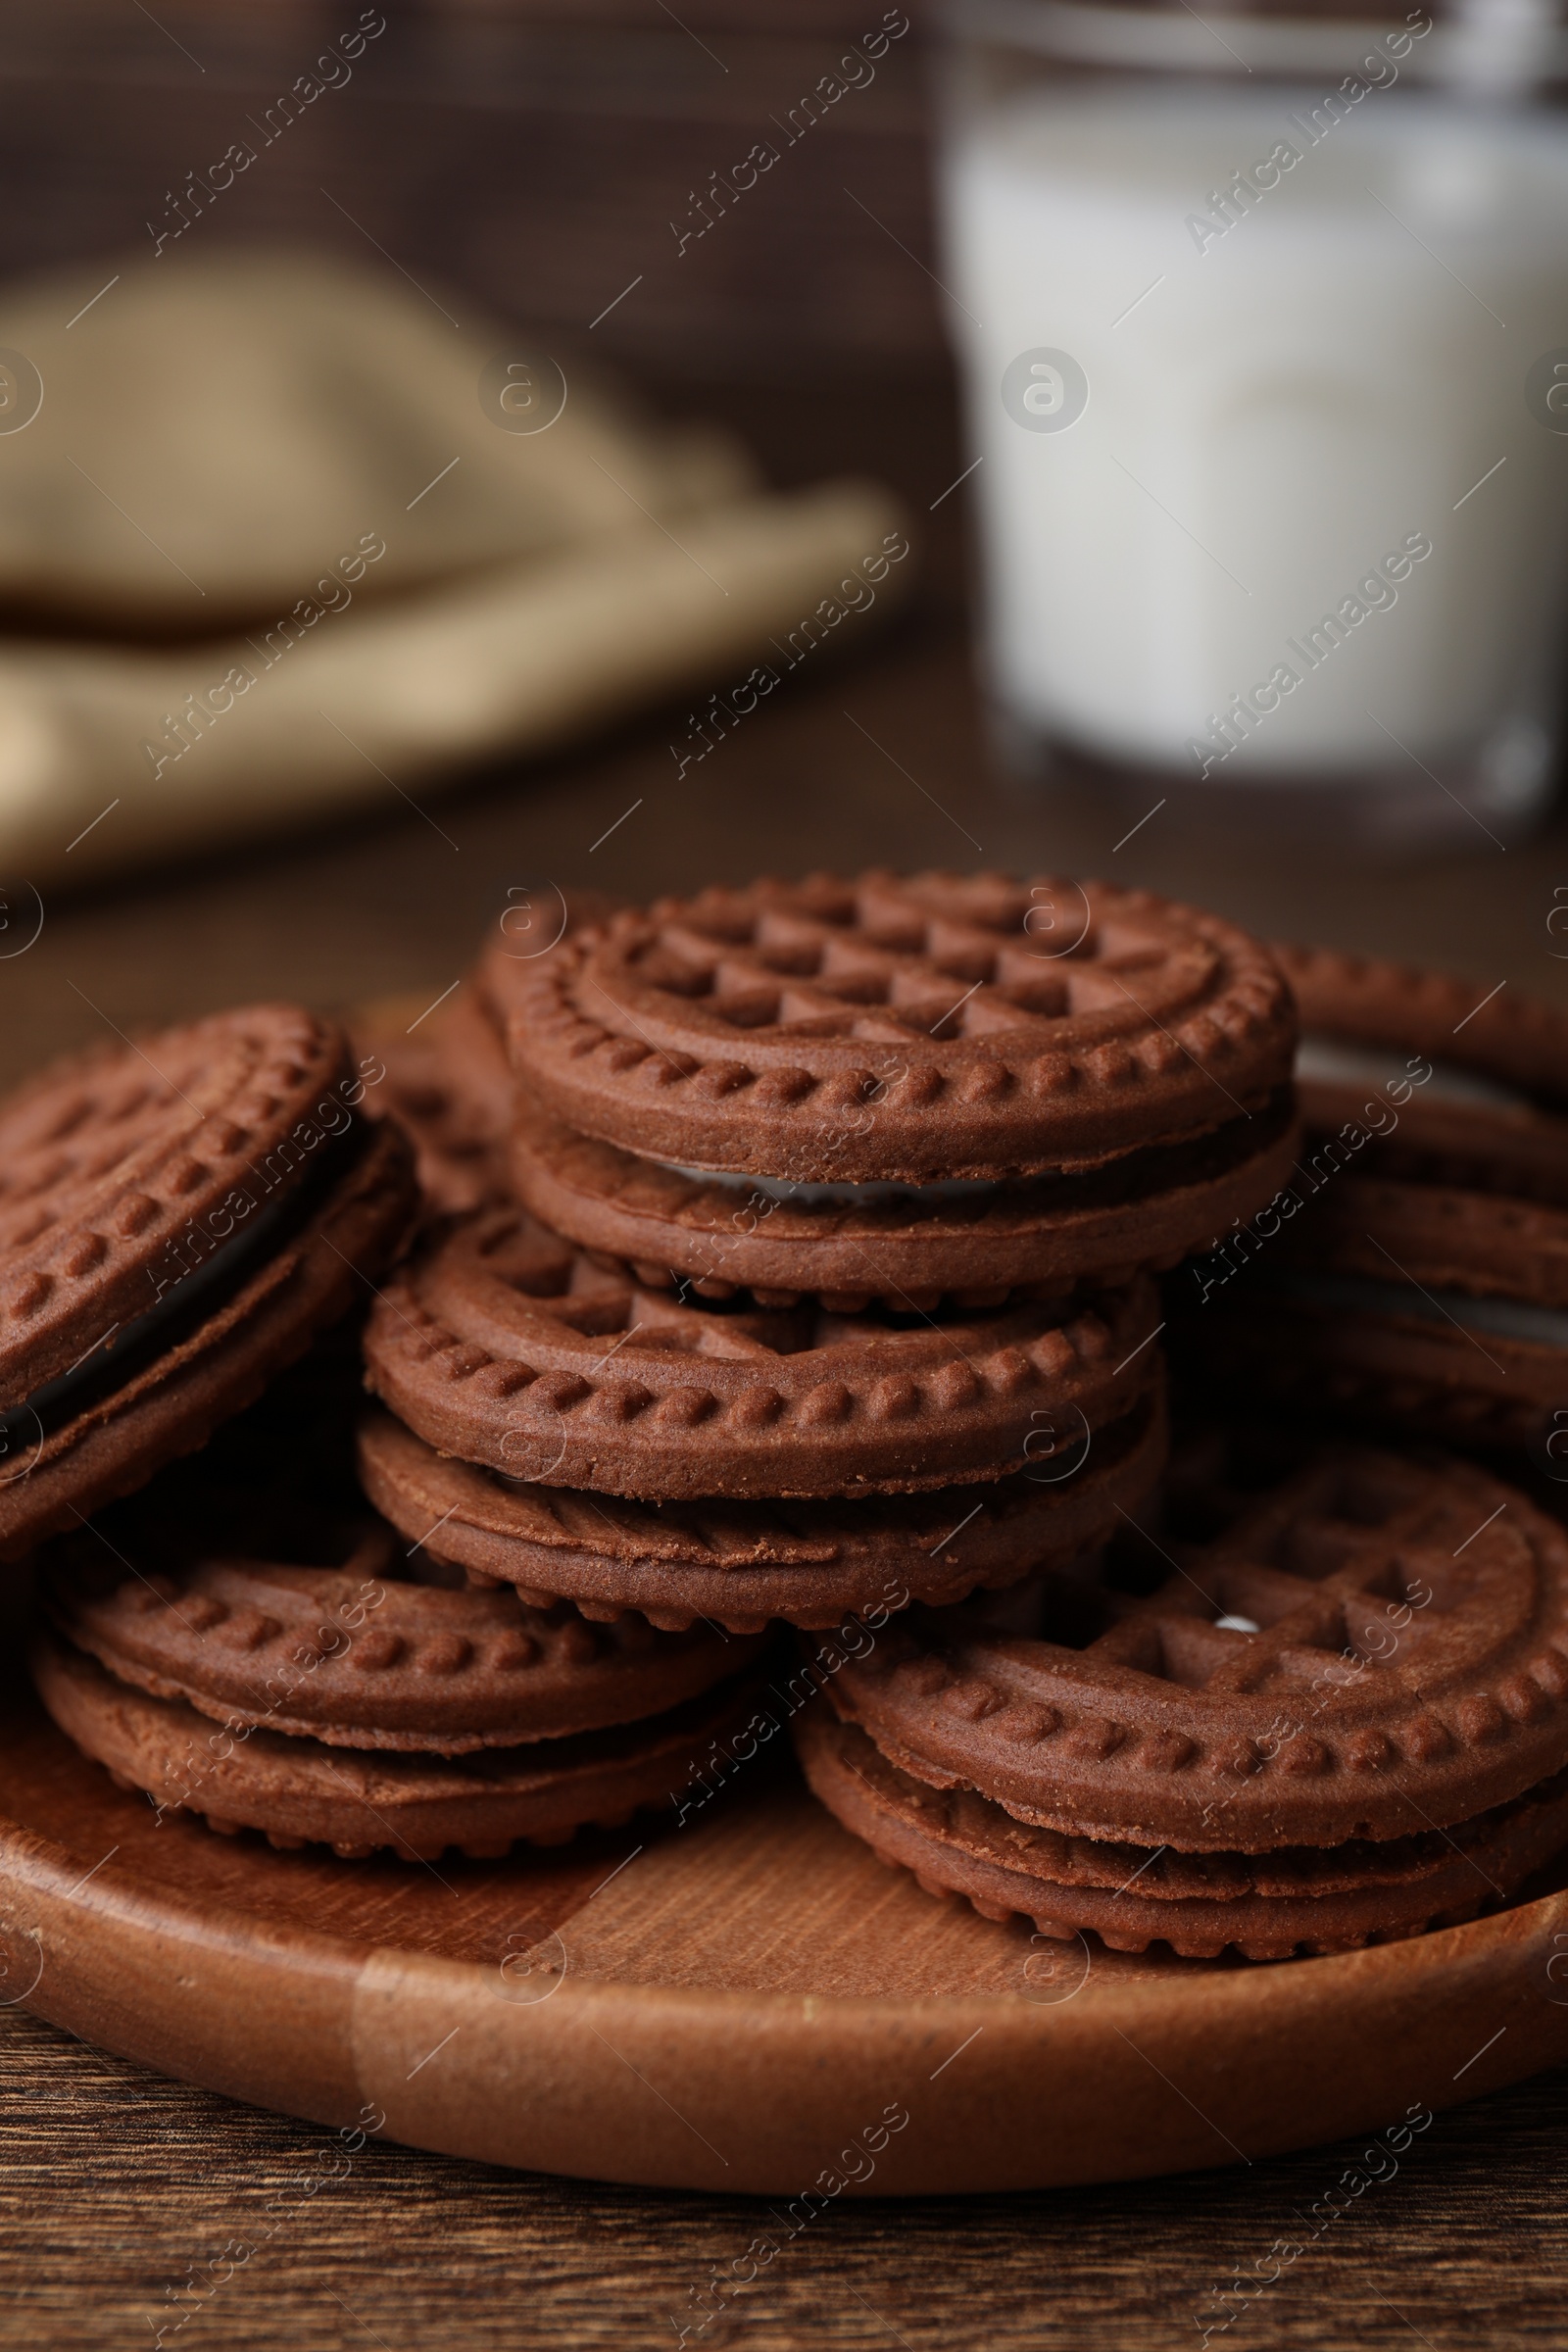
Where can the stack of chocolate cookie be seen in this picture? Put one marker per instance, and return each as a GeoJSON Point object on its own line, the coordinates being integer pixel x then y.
{"type": "Point", "coordinates": [1415, 1272]}
{"type": "Point", "coordinates": [179, 1220]}
{"type": "Point", "coordinates": [826, 1287]}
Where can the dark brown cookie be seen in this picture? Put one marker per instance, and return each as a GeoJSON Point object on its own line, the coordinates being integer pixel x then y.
{"type": "Point", "coordinates": [448, 1080]}
{"type": "Point", "coordinates": [450, 1087]}
{"type": "Point", "coordinates": [1500, 1033]}
{"type": "Point", "coordinates": [176, 1220]}
{"type": "Point", "coordinates": [505, 1346]}
{"type": "Point", "coordinates": [300, 1790]}
{"type": "Point", "coordinates": [537, 920]}
{"type": "Point", "coordinates": [914, 1245]}
{"type": "Point", "coordinates": [922, 1029]}
{"type": "Point", "coordinates": [1373, 1647]}
{"type": "Point", "coordinates": [1446, 1146]}
{"type": "Point", "coordinates": [1418, 1275]}
{"type": "Point", "coordinates": [1266, 1907]}
{"type": "Point", "coordinates": [121, 1171]}
{"type": "Point", "coordinates": [1394, 1355]}
{"type": "Point", "coordinates": [201, 1599]}
{"type": "Point", "coordinates": [740, 1564]}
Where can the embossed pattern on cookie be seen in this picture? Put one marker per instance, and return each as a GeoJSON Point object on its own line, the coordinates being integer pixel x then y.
{"type": "Point", "coordinates": [1374, 1647]}
{"type": "Point", "coordinates": [505, 1346]}
{"type": "Point", "coordinates": [922, 1029]}
{"type": "Point", "coordinates": [179, 1216]}
{"type": "Point", "coordinates": [352, 1651]}
{"type": "Point", "coordinates": [299, 1791]}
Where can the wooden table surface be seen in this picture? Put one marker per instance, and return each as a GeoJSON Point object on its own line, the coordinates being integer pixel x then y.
{"type": "Point", "coordinates": [114, 2183]}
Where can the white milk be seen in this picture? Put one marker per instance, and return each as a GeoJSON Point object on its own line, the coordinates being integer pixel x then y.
{"type": "Point", "coordinates": [1293, 401]}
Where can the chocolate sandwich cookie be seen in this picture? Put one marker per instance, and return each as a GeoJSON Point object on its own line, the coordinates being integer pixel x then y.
{"type": "Point", "coordinates": [1308, 1900]}
{"type": "Point", "coordinates": [276, 1665]}
{"type": "Point", "coordinates": [1372, 1651]}
{"type": "Point", "coordinates": [323, 1628]}
{"type": "Point", "coordinates": [1497, 1036]}
{"type": "Point", "coordinates": [1420, 1273]}
{"type": "Point", "coordinates": [739, 1564]}
{"type": "Point", "coordinates": [300, 1791]}
{"type": "Point", "coordinates": [449, 1086]}
{"type": "Point", "coordinates": [177, 1218]}
{"type": "Point", "coordinates": [449, 1083]}
{"type": "Point", "coordinates": [506, 1346]}
{"type": "Point", "coordinates": [537, 921]}
{"type": "Point", "coordinates": [909, 1090]}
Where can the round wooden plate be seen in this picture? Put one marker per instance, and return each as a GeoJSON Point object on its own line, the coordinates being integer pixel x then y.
{"type": "Point", "coordinates": [748, 2002]}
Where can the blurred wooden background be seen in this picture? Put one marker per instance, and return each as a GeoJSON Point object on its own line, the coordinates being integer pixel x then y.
{"type": "Point", "coordinates": [531, 153]}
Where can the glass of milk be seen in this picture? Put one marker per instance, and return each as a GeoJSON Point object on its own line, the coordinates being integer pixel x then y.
{"type": "Point", "coordinates": [1268, 384]}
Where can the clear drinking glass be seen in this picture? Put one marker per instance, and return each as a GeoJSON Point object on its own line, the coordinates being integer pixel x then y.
{"type": "Point", "coordinates": [1263, 322]}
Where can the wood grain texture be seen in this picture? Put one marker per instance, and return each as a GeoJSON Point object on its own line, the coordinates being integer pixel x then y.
{"type": "Point", "coordinates": [115, 2182]}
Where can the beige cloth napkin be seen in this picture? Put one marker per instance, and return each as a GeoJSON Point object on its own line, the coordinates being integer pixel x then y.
{"type": "Point", "coordinates": [285, 551]}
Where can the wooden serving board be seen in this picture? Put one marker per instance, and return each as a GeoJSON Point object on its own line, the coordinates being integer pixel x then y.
{"type": "Point", "coordinates": [726, 2006]}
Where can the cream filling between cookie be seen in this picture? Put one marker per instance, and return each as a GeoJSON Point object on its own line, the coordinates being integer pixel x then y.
{"type": "Point", "coordinates": [1333, 1061]}
{"type": "Point", "coordinates": [1151, 1168]}
{"type": "Point", "coordinates": [1503, 1318]}
{"type": "Point", "coordinates": [848, 1195]}
{"type": "Point", "coordinates": [127, 1346]}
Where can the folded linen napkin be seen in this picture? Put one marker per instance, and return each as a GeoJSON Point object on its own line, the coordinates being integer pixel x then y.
{"type": "Point", "coordinates": [278, 537]}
